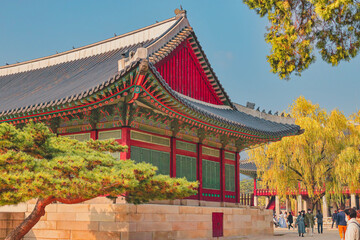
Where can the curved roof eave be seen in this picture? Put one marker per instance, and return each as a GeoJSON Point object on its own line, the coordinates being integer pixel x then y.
{"type": "Point", "coordinates": [206, 110]}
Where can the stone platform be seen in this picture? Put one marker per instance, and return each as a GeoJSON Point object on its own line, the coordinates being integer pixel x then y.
{"type": "Point", "coordinates": [103, 219]}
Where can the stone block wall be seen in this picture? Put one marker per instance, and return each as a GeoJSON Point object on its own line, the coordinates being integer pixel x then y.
{"type": "Point", "coordinates": [194, 222]}
{"type": "Point", "coordinates": [9, 221]}
{"type": "Point", "coordinates": [106, 220]}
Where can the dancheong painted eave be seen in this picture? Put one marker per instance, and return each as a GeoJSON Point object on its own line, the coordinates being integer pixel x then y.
{"type": "Point", "coordinates": [84, 77]}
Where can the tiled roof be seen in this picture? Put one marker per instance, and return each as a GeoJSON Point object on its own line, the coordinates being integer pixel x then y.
{"type": "Point", "coordinates": [232, 116]}
{"type": "Point", "coordinates": [248, 168]}
{"type": "Point", "coordinates": [59, 83]}
{"type": "Point", "coordinates": [242, 120]}
{"type": "Point", "coordinates": [146, 34]}
{"type": "Point", "coordinates": [75, 75]}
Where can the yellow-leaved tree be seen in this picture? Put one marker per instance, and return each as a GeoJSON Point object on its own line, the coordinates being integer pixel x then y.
{"type": "Point", "coordinates": [317, 160]}
{"type": "Point", "coordinates": [347, 164]}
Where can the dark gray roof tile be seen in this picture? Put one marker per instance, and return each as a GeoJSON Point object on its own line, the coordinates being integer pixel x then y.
{"type": "Point", "coordinates": [60, 83]}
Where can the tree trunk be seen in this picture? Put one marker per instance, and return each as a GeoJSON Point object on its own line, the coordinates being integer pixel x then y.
{"type": "Point", "coordinates": [39, 211]}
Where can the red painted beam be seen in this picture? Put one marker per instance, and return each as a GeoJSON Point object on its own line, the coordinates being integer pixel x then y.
{"type": "Point", "coordinates": [125, 140]}
{"type": "Point", "coordinates": [222, 175]}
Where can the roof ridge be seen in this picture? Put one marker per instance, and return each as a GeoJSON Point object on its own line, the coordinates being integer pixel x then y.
{"type": "Point", "coordinates": [266, 116]}
{"type": "Point", "coordinates": [126, 39]}
{"type": "Point", "coordinates": [204, 103]}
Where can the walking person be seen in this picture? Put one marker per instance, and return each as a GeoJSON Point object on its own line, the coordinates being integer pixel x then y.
{"type": "Point", "coordinates": [341, 222]}
{"type": "Point", "coordinates": [309, 222]}
{"type": "Point", "coordinates": [290, 220]}
{"type": "Point", "coordinates": [319, 218]}
{"type": "Point", "coordinates": [282, 220]}
{"type": "Point", "coordinates": [353, 227]}
{"type": "Point", "coordinates": [275, 221]}
{"type": "Point", "coordinates": [299, 214]}
{"type": "Point", "coordinates": [300, 224]}
{"type": "Point", "coordinates": [334, 217]}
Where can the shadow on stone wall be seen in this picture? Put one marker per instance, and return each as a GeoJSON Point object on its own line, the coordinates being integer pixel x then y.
{"type": "Point", "coordinates": [8, 221]}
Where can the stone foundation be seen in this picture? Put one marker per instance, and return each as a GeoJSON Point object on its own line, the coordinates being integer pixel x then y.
{"type": "Point", "coordinates": [102, 219]}
{"type": "Point", "coordinates": [9, 221]}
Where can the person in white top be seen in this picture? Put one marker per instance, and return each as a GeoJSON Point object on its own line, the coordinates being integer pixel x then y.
{"type": "Point", "coordinates": [353, 227]}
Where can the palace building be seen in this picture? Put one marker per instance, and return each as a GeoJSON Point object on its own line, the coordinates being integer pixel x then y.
{"type": "Point", "coordinates": [152, 89]}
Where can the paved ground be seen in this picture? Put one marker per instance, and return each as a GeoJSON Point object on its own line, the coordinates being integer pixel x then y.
{"type": "Point", "coordinates": [284, 234]}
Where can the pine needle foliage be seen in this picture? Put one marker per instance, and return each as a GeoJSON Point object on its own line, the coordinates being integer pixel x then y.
{"type": "Point", "coordinates": [35, 163]}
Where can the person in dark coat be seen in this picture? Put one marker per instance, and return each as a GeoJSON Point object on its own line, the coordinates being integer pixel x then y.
{"type": "Point", "coordinates": [341, 222]}
{"type": "Point", "coordinates": [290, 220]}
{"type": "Point", "coordinates": [319, 218]}
{"type": "Point", "coordinates": [300, 223]}
{"type": "Point", "coordinates": [334, 219]}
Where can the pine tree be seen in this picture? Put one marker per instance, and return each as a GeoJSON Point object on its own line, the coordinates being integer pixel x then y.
{"type": "Point", "coordinates": [37, 164]}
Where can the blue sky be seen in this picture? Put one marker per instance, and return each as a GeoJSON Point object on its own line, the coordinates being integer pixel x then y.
{"type": "Point", "coordinates": [231, 35]}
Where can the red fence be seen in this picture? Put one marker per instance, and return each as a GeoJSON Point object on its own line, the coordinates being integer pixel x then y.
{"type": "Point", "coordinates": [301, 191]}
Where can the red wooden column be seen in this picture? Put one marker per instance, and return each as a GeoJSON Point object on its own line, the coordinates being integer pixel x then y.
{"type": "Point", "coordinates": [199, 169]}
{"type": "Point", "coordinates": [173, 157]}
{"type": "Point", "coordinates": [237, 177]}
{"type": "Point", "coordinates": [125, 140]}
{"type": "Point", "coordinates": [222, 175]}
{"type": "Point", "coordinates": [94, 134]}
{"type": "Point", "coordinates": [254, 186]}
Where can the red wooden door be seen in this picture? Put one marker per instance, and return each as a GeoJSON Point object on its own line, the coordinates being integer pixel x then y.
{"type": "Point", "coordinates": [218, 224]}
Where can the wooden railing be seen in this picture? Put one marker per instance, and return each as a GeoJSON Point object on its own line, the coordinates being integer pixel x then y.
{"type": "Point", "coordinates": [247, 199]}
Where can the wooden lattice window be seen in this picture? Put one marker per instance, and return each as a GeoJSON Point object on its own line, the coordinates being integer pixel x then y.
{"type": "Point", "coordinates": [159, 159]}
{"type": "Point", "coordinates": [229, 177]}
{"type": "Point", "coordinates": [186, 146]}
{"type": "Point", "coordinates": [113, 134]}
{"type": "Point", "coordinates": [230, 156]}
{"type": "Point", "coordinates": [210, 151]}
{"type": "Point", "coordinates": [80, 137]}
{"type": "Point", "coordinates": [149, 138]}
{"type": "Point", "coordinates": [210, 174]}
{"type": "Point", "coordinates": [186, 167]}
